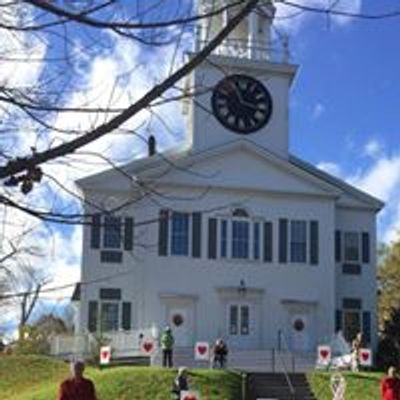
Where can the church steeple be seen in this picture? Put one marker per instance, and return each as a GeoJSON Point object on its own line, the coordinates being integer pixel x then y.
{"type": "Point", "coordinates": [241, 91]}
{"type": "Point", "coordinates": [252, 39]}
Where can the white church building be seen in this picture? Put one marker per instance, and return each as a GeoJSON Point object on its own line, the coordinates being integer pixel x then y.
{"type": "Point", "coordinates": [230, 235]}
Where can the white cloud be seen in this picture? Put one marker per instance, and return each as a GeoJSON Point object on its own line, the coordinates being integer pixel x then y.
{"type": "Point", "coordinates": [381, 179]}
{"type": "Point", "coordinates": [373, 149]}
{"type": "Point", "coordinates": [318, 110]}
{"type": "Point", "coordinates": [117, 79]}
{"type": "Point", "coordinates": [330, 168]}
{"type": "Point", "coordinates": [292, 19]}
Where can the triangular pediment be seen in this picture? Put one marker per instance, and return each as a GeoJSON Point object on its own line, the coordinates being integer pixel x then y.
{"type": "Point", "coordinates": [239, 165]}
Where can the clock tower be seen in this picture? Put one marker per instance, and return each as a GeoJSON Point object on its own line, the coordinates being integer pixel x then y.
{"type": "Point", "coordinates": [242, 89]}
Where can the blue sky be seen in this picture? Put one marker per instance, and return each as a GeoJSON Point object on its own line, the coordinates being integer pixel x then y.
{"type": "Point", "coordinates": [343, 112]}
{"type": "Point", "coordinates": [344, 103]}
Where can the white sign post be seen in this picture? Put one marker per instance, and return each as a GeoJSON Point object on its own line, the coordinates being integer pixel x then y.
{"type": "Point", "coordinates": [324, 355]}
{"type": "Point", "coordinates": [365, 357]}
{"type": "Point", "coordinates": [189, 395]}
{"type": "Point", "coordinates": [105, 355]}
{"type": "Point", "coordinates": [202, 351]}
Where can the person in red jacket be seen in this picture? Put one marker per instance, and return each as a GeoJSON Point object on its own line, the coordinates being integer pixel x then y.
{"type": "Point", "coordinates": [77, 387]}
{"type": "Point", "coordinates": [390, 386]}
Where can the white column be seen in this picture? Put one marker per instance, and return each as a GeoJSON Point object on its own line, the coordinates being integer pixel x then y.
{"type": "Point", "coordinates": [252, 32]}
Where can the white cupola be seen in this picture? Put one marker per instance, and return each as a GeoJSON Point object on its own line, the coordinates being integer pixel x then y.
{"type": "Point", "coordinates": [252, 39]}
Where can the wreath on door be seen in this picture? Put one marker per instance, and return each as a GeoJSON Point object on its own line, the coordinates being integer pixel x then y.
{"type": "Point", "coordinates": [298, 325]}
{"type": "Point", "coordinates": [177, 319]}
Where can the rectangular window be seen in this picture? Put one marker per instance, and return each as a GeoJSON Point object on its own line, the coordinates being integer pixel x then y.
{"type": "Point", "coordinates": [112, 232]}
{"type": "Point", "coordinates": [256, 241]}
{"type": "Point", "coordinates": [93, 316]}
{"type": "Point", "coordinates": [111, 256]}
{"type": "Point", "coordinates": [240, 239]}
{"type": "Point", "coordinates": [351, 324]}
{"type": "Point", "coordinates": [233, 320]}
{"type": "Point", "coordinates": [224, 238]}
{"type": "Point", "coordinates": [110, 294]}
{"type": "Point", "coordinates": [244, 320]}
{"type": "Point", "coordinates": [109, 317]}
{"type": "Point", "coordinates": [298, 241]}
{"type": "Point", "coordinates": [180, 234]}
{"type": "Point", "coordinates": [351, 246]}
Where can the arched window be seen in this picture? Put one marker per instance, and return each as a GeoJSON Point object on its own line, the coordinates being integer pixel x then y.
{"type": "Point", "coordinates": [240, 212]}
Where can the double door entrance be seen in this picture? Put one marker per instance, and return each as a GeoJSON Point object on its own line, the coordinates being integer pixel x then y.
{"type": "Point", "coordinates": [241, 325]}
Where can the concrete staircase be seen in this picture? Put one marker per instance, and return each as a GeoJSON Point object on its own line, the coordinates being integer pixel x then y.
{"type": "Point", "coordinates": [274, 386]}
{"type": "Point", "coordinates": [247, 360]}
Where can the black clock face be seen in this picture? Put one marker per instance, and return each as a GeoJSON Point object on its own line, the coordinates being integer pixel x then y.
{"type": "Point", "coordinates": [241, 103]}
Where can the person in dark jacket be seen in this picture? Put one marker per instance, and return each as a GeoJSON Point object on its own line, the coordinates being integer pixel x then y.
{"type": "Point", "coordinates": [77, 387]}
{"type": "Point", "coordinates": [220, 353]}
{"type": "Point", "coordinates": [180, 383]}
{"type": "Point", "coordinates": [390, 386]}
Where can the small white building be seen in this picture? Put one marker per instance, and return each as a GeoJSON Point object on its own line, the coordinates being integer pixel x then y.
{"type": "Point", "coordinates": [231, 235]}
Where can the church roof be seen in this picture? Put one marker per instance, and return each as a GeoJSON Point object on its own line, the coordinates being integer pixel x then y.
{"type": "Point", "coordinates": [181, 158]}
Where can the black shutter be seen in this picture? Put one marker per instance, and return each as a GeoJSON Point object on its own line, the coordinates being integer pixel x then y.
{"type": "Point", "coordinates": [212, 238]}
{"type": "Point", "coordinates": [128, 236]}
{"type": "Point", "coordinates": [268, 240]}
{"type": "Point", "coordinates": [283, 239]}
{"type": "Point", "coordinates": [95, 231]}
{"type": "Point", "coordinates": [338, 320]}
{"type": "Point", "coordinates": [365, 248]}
{"type": "Point", "coordinates": [93, 316]}
{"type": "Point", "coordinates": [314, 243]}
{"type": "Point", "coordinates": [196, 235]}
{"type": "Point", "coordinates": [126, 316]}
{"type": "Point", "coordinates": [163, 233]}
{"type": "Point", "coordinates": [367, 326]}
{"type": "Point", "coordinates": [338, 246]}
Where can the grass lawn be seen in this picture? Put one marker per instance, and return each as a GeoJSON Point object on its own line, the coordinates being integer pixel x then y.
{"type": "Point", "coordinates": [37, 378]}
{"type": "Point", "coordinates": [359, 386]}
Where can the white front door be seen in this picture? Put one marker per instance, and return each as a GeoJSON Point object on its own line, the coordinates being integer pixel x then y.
{"type": "Point", "coordinates": [180, 321]}
{"type": "Point", "coordinates": [300, 332]}
{"type": "Point", "coordinates": [241, 326]}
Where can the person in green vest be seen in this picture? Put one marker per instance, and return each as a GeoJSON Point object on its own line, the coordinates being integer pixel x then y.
{"type": "Point", "coordinates": [167, 344]}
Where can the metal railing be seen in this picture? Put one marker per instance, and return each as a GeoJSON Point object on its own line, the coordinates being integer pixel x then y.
{"type": "Point", "coordinates": [282, 340]}
{"type": "Point", "coordinates": [256, 51]}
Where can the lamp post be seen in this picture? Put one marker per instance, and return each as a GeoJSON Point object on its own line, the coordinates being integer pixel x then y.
{"type": "Point", "coordinates": [242, 289]}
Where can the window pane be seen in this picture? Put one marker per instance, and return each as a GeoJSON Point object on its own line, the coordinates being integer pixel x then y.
{"type": "Point", "coordinates": [240, 239]}
{"type": "Point", "coordinates": [351, 246]}
{"type": "Point", "coordinates": [351, 324]}
{"type": "Point", "coordinates": [244, 320]}
{"type": "Point", "coordinates": [224, 238]}
{"type": "Point", "coordinates": [109, 317]}
{"type": "Point", "coordinates": [112, 232]}
{"type": "Point", "coordinates": [256, 241]}
{"type": "Point", "coordinates": [180, 234]}
{"type": "Point", "coordinates": [298, 241]}
{"type": "Point", "coordinates": [233, 320]}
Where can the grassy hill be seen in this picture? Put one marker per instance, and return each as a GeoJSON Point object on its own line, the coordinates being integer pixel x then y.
{"type": "Point", "coordinates": [37, 378]}
{"type": "Point", "coordinates": [363, 385]}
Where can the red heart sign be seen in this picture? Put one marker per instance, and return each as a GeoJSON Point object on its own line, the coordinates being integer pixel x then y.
{"type": "Point", "coordinates": [190, 397]}
{"type": "Point", "coordinates": [147, 346]}
{"type": "Point", "coordinates": [324, 353]}
{"type": "Point", "coordinates": [365, 355]}
{"type": "Point", "coordinates": [202, 349]}
{"type": "Point", "coordinates": [104, 355]}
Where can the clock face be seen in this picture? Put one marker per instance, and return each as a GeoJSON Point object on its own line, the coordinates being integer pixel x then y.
{"type": "Point", "coordinates": [241, 103]}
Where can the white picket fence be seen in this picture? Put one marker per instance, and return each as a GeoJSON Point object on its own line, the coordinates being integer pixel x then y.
{"type": "Point", "coordinates": [124, 343]}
